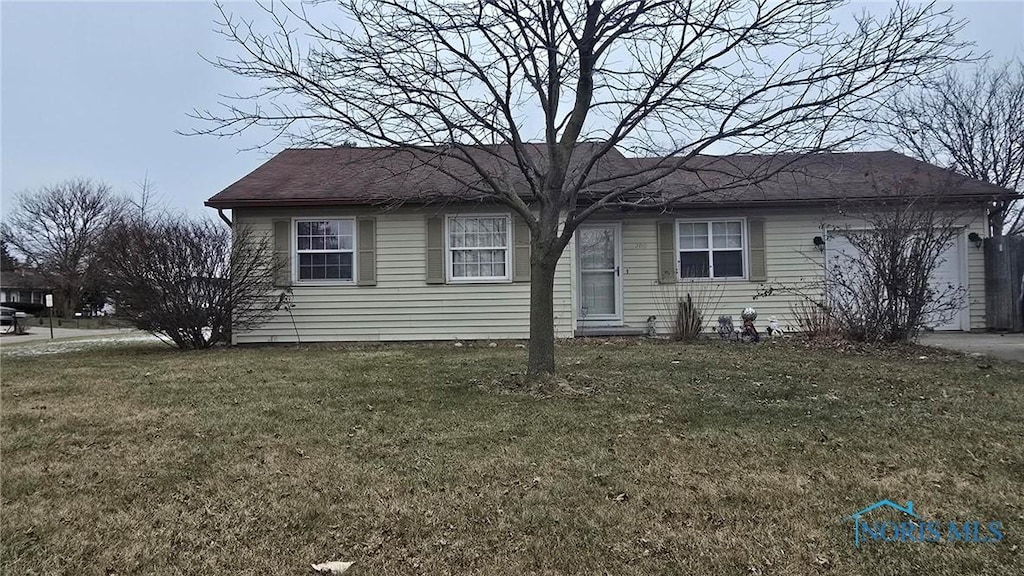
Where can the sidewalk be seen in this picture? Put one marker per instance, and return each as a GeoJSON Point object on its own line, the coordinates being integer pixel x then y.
{"type": "Point", "coordinates": [37, 333]}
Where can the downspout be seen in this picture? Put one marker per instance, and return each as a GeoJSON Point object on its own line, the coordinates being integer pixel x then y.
{"type": "Point", "coordinates": [220, 212]}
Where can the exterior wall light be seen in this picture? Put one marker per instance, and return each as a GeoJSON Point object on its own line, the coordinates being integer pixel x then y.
{"type": "Point", "coordinates": [819, 243]}
{"type": "Point", "coordinates": [975, 239]}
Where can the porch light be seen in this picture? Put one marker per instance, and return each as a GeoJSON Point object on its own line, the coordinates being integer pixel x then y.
{"type": "Point", "coordinates": [819, 243]}
{"type": "Point", "coordinates": [975, 239]}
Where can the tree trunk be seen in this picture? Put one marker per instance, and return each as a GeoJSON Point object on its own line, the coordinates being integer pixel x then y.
{"type": "Point", "coordinates": [541, 361]}
{"type": "Point", "coordinates": [68, 304]}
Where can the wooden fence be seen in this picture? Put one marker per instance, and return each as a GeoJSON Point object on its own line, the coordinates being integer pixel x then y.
{"type": "Point", "coordinates": [1004, 264]}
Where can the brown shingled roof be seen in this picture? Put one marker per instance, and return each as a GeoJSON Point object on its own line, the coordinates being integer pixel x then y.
{"type": "Point", "coordinates": [22, 277]}
{"type": "Point", "coordinates": [353, 176]}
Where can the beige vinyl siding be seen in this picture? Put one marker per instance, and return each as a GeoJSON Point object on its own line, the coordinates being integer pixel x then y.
{"type": "Point", "coordinates": [976, 271]}
{"type": "Point", "coordinates": [791, 258]}
{"type": "Point", "coordinates": [402, 306]}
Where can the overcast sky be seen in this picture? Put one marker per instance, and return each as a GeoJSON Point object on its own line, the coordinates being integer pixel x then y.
{"type": "Point", "coordinates": [98, 90]}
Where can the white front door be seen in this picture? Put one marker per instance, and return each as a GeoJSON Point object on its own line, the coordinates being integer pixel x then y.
{"type": "Point", "coordinates": [599, 258]}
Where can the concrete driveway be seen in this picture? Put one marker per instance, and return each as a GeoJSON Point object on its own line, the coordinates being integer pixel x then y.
{"type": "Point", "coordinates": [1002, 346]}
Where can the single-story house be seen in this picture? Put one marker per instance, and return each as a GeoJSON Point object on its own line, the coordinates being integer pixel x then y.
{"type": "Point", "coordinates": [22, 285]}
{"type": "Point", "coordinates": [379, 245]}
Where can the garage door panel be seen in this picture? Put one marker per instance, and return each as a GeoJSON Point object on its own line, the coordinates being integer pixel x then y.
{"type": "Point", "coordinates": [948, 276]}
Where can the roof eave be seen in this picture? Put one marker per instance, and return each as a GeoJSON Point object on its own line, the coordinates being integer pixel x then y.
{"type": "Point", "coordinates": [327, 202]}
{"type": "Point", "coordinates": [957, 199]}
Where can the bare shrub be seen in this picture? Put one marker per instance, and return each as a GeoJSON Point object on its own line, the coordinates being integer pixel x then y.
{"type": "Point", "coordinates": [814, 320]}
{"type": "Point", "coordinates": [689, 320]}
{"type": "Point", "coordinates": [882, 290]}
{"type": "Point", "coordinates": [190, 281]}
{"type": "Point", "coordinates": [690, 305]}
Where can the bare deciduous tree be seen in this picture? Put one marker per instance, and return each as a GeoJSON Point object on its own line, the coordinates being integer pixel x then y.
{"type": "Point", "coordinates": [188, 281]}
{"type": "Point", "coordinates": [502, 95]}
{"type": "Point", "coordinates": [973, 124]}
{"type": "Point", "coordinates": [7, 262]}
{"type": "Point", "coordinates": [58, 230]}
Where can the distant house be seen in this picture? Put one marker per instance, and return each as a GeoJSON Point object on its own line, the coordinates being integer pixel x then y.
{"type": "Point", "coordinates": [378, 245]}
{"type": "Point", "coordinates": [22, 285]}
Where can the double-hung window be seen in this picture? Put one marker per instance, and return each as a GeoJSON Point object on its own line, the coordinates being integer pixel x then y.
{"type": "Point", "coordinates": [478, 248]}
{"type": "Point", "coordinates": [711, 249]}
{"type": "Point", "coordinates": [325, 249]}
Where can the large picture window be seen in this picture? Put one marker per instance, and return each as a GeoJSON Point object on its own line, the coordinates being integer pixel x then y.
{"type": "Point", "coordinates": [325, 249]}
{"type": "Point", "coordinates": [711, 249]}
{"type": "Point", "coordinates": [478, 248]}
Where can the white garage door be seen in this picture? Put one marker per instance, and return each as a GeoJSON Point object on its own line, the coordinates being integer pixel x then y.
{"type": "Point", "coordinates": [949, 273]}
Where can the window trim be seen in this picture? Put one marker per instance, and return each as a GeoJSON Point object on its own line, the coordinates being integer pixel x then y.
{"type": "Point", "coordinates": [744, 254]}
{"type": "Point", "coordinates": [294, 246]}
{"type": "Point", "coordinates": [449, 268]}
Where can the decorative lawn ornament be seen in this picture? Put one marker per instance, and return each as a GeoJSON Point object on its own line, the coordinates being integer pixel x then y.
{"type": "Point", "coordinates": [726, 331]}
{"type": "Point", "coordinates": [652, 326]}
{"type": "Point", "coordinates": [749, 331]}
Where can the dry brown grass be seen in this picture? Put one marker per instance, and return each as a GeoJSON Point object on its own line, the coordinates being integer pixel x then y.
{"type": "Point", "coordinates": [660, 459]}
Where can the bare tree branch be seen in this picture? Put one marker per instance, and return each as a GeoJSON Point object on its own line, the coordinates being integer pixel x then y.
{"type": "Point", "coordinates": [529, 103]}
{"type": "Point", "coordinates": [974, 125]}
{"type": "Point", "coordinates": [58, 231]}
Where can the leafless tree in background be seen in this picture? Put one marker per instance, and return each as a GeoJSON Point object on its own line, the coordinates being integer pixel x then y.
{"type": "Point", "coordinates": [502, 95]}
{"type": "Point", "coordinates": [186, 280]}
{"type": "Point", "coordinates": [146, 204]}
{"type": "Point", "coordinates": [973, 124]}
{"type": "Point", "coordinates": [58, 230]}
{"type": "Point", "coordinates": [7, 262]}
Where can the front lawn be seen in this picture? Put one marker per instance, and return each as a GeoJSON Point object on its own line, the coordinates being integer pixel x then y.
{"type": "Point", "coordinates": [655, 459]}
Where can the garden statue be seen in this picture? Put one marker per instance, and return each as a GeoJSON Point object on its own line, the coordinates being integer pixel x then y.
{"type": "Point", "coordinates": [749, 333]}
{"type": "Point", "coordinates": [725, 328]}
{"type": "Point", "coordinates": [652, 326]}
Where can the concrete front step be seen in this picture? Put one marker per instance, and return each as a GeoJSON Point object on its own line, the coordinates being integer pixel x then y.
{"type": "Point", "coordinates": [593, 331]}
